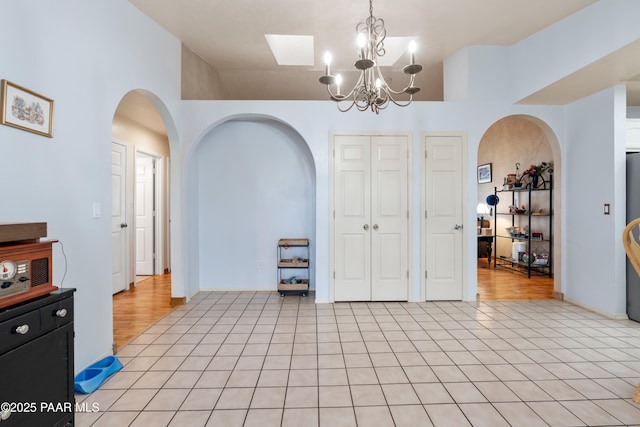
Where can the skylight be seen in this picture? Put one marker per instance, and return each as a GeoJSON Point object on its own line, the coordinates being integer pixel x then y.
{"type": "Point", "coordinates": [291, 50]}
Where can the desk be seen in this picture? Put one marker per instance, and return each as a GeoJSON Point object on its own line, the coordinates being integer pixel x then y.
{"type": "Point", "coordinates": [489, 240]}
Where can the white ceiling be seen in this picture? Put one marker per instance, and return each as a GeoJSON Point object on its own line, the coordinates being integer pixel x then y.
{"type": "Point", "coordinates": [230, 35]}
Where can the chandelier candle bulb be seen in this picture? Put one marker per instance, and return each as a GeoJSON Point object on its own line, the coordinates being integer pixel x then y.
{"type": "Point", "coordinates": [327, 63]}
{"type": "Point", "coordinates": [338, 82]}
{"type": "Point", "coordinates": [412, 52]}
{"type": "Point", "coordinates": [361, 42]}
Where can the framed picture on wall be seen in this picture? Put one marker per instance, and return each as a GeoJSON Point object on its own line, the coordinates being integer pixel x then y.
{"type": "Point", "coordinates": [26, 110]}
{"type": "Point", "coordinates": [484, 173]}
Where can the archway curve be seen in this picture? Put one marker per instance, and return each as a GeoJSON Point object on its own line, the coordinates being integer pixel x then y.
{"type": "Point", "coordinates": [165, 115]}
{"type": "Point", "coordinates": [553, 142]}
{"type": "Point", "coordinates": [197, 200]}
{"type": "Point", "coordinates": [244, 117]}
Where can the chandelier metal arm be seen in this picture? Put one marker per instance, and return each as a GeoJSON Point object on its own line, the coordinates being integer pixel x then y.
{"type": "Point", "coordinates": [390, 89]}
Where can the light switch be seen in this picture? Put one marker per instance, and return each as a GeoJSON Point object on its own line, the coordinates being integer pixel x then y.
{"type": "Point", "coordinates": [97, 210]}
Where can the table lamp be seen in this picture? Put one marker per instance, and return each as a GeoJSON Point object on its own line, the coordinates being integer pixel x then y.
{"type": "Point", "coordinates": [482, 210]}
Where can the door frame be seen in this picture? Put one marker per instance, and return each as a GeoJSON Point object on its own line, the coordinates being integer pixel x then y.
{"type": "Point", "coordinates": [159, 202]}
{"type": "Point", "coordinates": [423, 212]}
{"type": "Point", "coordinates": [409, 136]}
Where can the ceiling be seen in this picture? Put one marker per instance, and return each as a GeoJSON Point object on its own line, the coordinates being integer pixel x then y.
{"type": "Point", "coordinates": [230, 36]}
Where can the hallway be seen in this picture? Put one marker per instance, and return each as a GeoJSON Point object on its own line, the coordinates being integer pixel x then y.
{"type": "Point", "coordinates": [138, 308]}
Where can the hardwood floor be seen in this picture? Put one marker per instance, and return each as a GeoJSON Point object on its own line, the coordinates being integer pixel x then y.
{"type": "Point", "coordinates": [502, 284]}
{"type": "Point", "coordinates": [137, 309]}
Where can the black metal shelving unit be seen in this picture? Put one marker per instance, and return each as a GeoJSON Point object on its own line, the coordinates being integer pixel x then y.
{"type": "Point", "coordinates": [539, 264]}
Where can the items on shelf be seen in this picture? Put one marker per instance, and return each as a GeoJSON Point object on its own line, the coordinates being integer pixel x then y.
{"type": "Point", "coordinates": [532, 177]}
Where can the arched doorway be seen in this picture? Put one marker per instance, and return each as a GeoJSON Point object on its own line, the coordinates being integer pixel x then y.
{"type": "Point", "coordinates": [250, 182]}
{"type": "Point", "coordinates": [510, 146]}
{"type": "Point", "coordinates": [140, 216]}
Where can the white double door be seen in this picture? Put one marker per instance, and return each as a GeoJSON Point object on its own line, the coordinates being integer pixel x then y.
{"type": "Point", "coordinates": [371, 218]}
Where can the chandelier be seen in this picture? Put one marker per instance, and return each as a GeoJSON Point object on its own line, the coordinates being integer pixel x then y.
{"type": "Point", "coordinates": [371, 90]}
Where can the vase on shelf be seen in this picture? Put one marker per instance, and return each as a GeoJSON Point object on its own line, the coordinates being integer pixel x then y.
{"type": "Point", "coordinates": [534, 181]}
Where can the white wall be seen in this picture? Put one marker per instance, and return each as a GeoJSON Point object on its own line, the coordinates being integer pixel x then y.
{"type": "Point", "coordinates": [595, 175]}
{"type": "Point", "coordinates": [256, 184]}
{"type": "Point", "coordinates": [478, 73]}
{"type": "Point", "coordinates": [572, 43]}
{"type": "Point", "coordinates": [86, 56]}
{"type": "Point", "coordinates": [456, 76]}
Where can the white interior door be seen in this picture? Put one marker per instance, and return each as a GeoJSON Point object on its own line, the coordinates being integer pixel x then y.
{"type": "Point", "coordinates": [118, 217]}
{"type": "Point", "coordinates": [389, 218]}
{"type": "Point", "coordinates": [371, 225]}
{"type": "Point", "coordinates": [145, 215]}
{"type": "Point", "coordinates": [352, 182]}
{"type": "Point", "coordinates": [443, 223]}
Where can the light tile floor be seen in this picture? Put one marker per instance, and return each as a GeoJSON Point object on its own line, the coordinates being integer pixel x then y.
{"type": "Point", "coordinates": [256, 359]}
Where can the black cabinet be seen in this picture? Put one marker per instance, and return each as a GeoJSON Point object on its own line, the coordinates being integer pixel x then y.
{"type": "Point", "coordinates": [36, 362]}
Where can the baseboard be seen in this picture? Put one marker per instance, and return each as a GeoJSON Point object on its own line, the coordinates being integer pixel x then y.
{"type": "Point", "coordinates": [557, 295]}
{"type": "Point", "coordinates": [606, 314]}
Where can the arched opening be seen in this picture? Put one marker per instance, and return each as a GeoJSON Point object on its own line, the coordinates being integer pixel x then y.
{"type": "Point", "coordinates": [250, 182]}
{"type": "Point", "coordinates": [141, 268]}
{"type": "Point", "coordinates": [523, 222]}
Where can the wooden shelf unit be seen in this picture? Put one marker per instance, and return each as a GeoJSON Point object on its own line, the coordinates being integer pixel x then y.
{"type": "Point", "coordinates": [293, 264]}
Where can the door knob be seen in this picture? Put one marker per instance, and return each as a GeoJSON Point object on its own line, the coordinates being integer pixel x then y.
{"type": "Point", "coordinates": [458, 227]}
{"type": "Point", "coordinates": [366, 226]}
{"type": "Point", "coordinates": [123, 225]}
{"type": "Point", "coordinates": [375, 226]}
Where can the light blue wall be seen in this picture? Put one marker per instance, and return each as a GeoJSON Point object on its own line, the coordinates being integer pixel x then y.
{"type": "Point", "coordinates": [592, 246]}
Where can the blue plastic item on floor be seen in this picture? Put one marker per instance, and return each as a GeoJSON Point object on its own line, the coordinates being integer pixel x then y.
{"type": "Point", "coordinates": [91, 378]}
